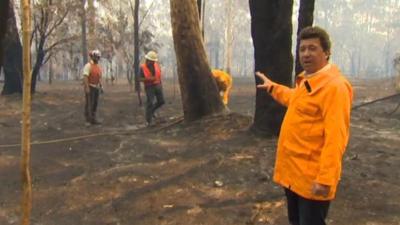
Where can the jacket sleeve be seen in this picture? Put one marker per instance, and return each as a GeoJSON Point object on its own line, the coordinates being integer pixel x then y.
{"type": "Point", "coordinates": [281, 93]}
{"type": "Point", "coordinates": [336, 109]}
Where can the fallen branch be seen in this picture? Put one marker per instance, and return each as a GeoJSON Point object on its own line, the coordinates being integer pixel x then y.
{"type": "Point", "coordinates": [376, 100]}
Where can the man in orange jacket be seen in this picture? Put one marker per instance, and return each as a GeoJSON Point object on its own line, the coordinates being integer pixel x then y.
{"type": "Point", "coordinates": [314, 132]}
{"type": "Point", "coordinates": [224, 83]}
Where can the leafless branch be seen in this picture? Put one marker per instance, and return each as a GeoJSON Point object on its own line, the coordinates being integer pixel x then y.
{"type": "Point", "coordinates": [57, 23]}
{"type": "Point", "coordinates": [61, 41]}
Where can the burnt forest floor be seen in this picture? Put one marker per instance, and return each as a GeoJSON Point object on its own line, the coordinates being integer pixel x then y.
{"type": "Point", "coordinates": [211, 172]}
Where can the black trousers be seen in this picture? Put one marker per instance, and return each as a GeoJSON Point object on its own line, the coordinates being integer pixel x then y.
{"type": "Point", "coordinates": [152, 93]}
{"type": "Point", "coordinates": [303, 211]}
{"type": "Point", "coordinates": [91, 100]}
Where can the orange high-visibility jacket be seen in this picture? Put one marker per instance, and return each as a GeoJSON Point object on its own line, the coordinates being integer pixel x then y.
{"type": "Point", "coordinates": [314, 132]}
{"type": "Point", "coordinates": [93, 72]}
{"type": "Point", "coordinates": [224, 83]}
{"type": "Point", "coordinates": [148, 75]}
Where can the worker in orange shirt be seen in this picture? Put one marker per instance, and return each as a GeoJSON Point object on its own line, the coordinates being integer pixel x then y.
{"type": "Point", "coordinates": [150, 75]}
{"type": "Point", "coordinates": [224, 83]}
{"type": "Point", "coordinates": [314, 132]}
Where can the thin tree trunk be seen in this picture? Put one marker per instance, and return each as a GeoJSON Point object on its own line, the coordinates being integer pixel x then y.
{"type": "Point", "coordinates": [84, 38]}
{"type": "Point", "coordinates": [228, 36]}
{"type": "Point", "coordinates": [12, 64]}
{"type": "Point", "coordinates": [198, 89]}
{"type": "Point", "coordinates": [271, 30]}
{"type": "Point", "coordinates": [51, 72]}
{"type": "Point", "coordinates": [91, 24]}
{"type": "Point", "coordinates": [26, 116]}
{"type": "Point", "coordinates": [40, 55]}
{"type": "Point", "coordinates": [136, 60]}
{"type": "Point", "coordinates": [306, 18]}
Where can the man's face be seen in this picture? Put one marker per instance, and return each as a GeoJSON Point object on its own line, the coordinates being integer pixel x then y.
{"type": "Point", "coordinates": [149, 62]}
{"type": "Point", "coordinates": [96, 59]}
{"type": "Point", "coordinates": [312, 56]}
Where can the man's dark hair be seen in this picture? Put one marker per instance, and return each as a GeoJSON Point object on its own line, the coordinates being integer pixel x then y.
{"type": "Point", "coordinates": [317, 32]}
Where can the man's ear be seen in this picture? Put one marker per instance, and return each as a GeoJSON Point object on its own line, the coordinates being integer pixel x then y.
{"type": "Point", "coordinates": [328, 55]}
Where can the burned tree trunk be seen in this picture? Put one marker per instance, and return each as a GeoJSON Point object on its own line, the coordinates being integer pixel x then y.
{"type": "Point", "coordinates": [198, 89]}
{"type": "Point", "coordinates": [136, 61]}
{"type": "Point", "coordinates": [306, 18]}
{"type": "Point", "coordinates": [4, 9]}
{"type": "Point", "coordinates": [12, 60]}
{"type": "Point", "coordinates": [40, 57]}
{"type": "Point", "coordinates": [271, 30]}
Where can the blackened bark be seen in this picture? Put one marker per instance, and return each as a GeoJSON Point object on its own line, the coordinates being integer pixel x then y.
{"type": "Point", "coordinates": [4, 6]}
{"type": "Point", "coordinates": [271, 30]}
{"type": "Point", "coordinates": [136, 60]}
{"type": "Point", "coordinates": [38, 64]}
{"type": "Point", "coordinates": [198, 89]}
{"type": "Point", "coordinates": [12, 60]}
{"type": "Point", "coordinates": [306, 18]}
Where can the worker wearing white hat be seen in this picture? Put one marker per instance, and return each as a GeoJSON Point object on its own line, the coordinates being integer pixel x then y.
{"type": "Point", "coordinates": [150, 74]}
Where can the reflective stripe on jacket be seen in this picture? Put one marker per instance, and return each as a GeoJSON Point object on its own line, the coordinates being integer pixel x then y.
{"type": "Point", "coordinates": [147, 75]}
{"type": "Point", "coordinates": [314, 132]}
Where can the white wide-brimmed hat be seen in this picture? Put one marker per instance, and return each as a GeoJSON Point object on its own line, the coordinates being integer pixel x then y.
{"type": "Point", "coordinates": [152, 56]}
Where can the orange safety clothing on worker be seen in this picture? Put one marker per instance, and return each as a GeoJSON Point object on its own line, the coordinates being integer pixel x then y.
{"type": "Point", "coordinates": [315, 131]}
{"type": "Point", "coordinates": [95, 74]}
{"type": "Point", "coordinates": [224, 83]}
{"type": "Point", "coordinates": [149, 80]}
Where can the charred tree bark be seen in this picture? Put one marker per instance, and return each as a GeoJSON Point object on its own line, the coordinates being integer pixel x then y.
{"type": "Point", "coordinates": [198, 89]}
{"type": "Point", "coordinates": [4, 11]}
{"type": "Point", "coordinates": [12, 56]}
{"type": "Point", "coordinates": [136, 60]}
{"type": "Point", "coordinates": [271, 30]}
{"type": "Point", "coordinates": [306, 18]}
{"type": "Point", "coordinates": [40, 55]}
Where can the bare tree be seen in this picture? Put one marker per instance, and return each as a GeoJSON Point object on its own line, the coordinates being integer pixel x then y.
{"type": "Point", "coordinates": [12, 60]}
{"type": "Point", "coordinates": [46, 22]}
{"type": "Point", "coordinates": [198, 89]}
{"type": "Point", "coordinates": [271, 30]}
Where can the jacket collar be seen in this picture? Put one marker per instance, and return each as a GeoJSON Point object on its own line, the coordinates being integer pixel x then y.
{"type": "Point", "coordinates": [319, 79]}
